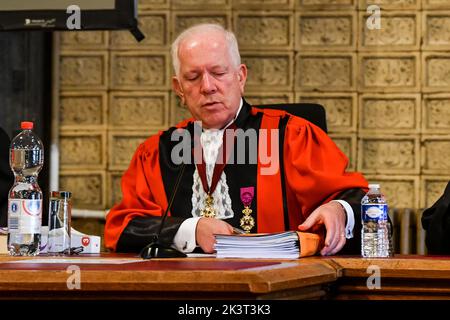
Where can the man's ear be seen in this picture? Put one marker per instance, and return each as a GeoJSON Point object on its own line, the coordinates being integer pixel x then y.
{"type": "Point", "coordinates": [176, 86]}
{"type": "Point", "coordinates": [242, 76]}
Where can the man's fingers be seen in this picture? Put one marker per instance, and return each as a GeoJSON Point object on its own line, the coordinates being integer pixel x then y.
{"type": "Point", "coordinates": [330, 242]}
{"type": "Point", "coordinates": [340, 244]}
{"type": "Point", "coordinates": [331, 237]}
{"type": "Point", "coordinates": [309, 222]}
{"type": "Point", "coordinates": [207, 228]}
{"type": "Point", "coordinates": [331, 234]}
{"type": "Point", "coordinates": [337, 242]}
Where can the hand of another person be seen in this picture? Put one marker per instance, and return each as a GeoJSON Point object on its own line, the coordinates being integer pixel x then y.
{"type": "Point", "coordinates": [207, 228]}
{"type": "Point", "coordinates": [333, 216]}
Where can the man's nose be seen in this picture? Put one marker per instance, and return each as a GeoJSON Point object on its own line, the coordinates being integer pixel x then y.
{"type": "Point", "coordinates": [208, 84]}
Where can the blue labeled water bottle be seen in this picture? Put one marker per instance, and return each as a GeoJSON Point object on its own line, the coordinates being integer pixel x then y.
{"type": "Point", "coordinates": [376, 229]}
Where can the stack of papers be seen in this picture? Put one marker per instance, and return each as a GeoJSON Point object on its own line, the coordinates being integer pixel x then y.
{"type": "Point", "coordinates": [284, 245]}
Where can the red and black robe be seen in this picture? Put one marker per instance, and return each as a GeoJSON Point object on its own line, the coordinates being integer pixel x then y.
{"type": "Point", "coordinates": [312, 173]}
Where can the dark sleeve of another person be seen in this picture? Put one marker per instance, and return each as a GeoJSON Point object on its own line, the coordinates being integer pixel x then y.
{"type": "Point", "coordinates": [436, 221]}
{"type": "Point", "coordinates": [6, 177]}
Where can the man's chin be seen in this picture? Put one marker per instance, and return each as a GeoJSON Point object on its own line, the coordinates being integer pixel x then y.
{"type": "Point", "coordinates": [214, 123]}
{"type": "Point", "coordinates": [214, 119]}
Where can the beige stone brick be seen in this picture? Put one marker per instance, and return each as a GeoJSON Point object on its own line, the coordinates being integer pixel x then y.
{"type": "Point", "coordinates": [114, 191]}
{"type": "Point", "coordinates": [255, 30]}
{"type": "Point", "coordinates": [256, 98]}
{"type": "Point", "coordinates": [436, 30]}
{"type": "Point", "coordinates": [201, 4]}
{"type": "Point", "coordinates": [431, 189]}
{"type": "Point", "coordinates": [435, 4]}
{"type": "Point", "coordinates": [83, 70]}
{"type": "Point", "coordinates": [391, 4]}
{"type": "Point", "coordinates": [325, 72]}
{"type": "Point", "coordinates": [435, 154]}
{"type": "Point", "coordinates": [385, 154]}
{"type": "Point", "coordinates": [263, 4]}
{"type": "Point", "coordinates": [347, 144]}
{"type": "Point", "coordinates": [400, 191]}
{"type": "Point", "coordinates": [393, 113]}
{"type": "Point", "coordinates": [140, 71]}
{"type": "Point", "coordinates": [400, 31]}
{"type": "Point", "coordinates": [122, 146]}
{"type": "Point", "coordinates": [436, 113]}
{"type": "Point", "coordinates": [153, 24]}
{"type": "Point", "coordinates": [138, 110]}
{"type": "Point", "coordinates": [325, 4]}
{"type": "Point", "coordinates": [84, 110]}
{"type": "Point", "coordinates": [87, 187]}
{"type": "Point", "coordinates": [436, 71]}
{"type": "Point", "coordinates": [178, 112]}
{"type": "Point", "coordinates": [83, 40]}
{"type": "Point", "coordinates": [341, 109]}
{"type": "Point", "coordinates": [269, 71]}
{"type": "Point", "coordinates": [153, 4]}
{"type": "Point", "coordinates": [389, 72]}
{"type": "Point", "coordinates": [185, 19]}
{"type": "Point", "coordinates": [325, 31]}
{"type": "Point", "coordinates": [84, 149]}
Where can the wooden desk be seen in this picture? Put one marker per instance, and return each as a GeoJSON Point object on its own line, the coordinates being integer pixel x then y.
{"type": "Point", "coordinates": [402, 277]}
{"type": "Point", "coordinates": [190, 278]}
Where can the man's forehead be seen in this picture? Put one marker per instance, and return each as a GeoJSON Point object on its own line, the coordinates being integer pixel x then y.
{"type": "Point", "coordinates": [212, 67]}
{"type": "Point", "coordinates": [212, 57]}
{"type": "Point", "coordinates": [212, 39]}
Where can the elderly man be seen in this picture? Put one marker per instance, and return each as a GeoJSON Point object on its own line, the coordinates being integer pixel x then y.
{"type": "Point", "coordinates": [309, 190]}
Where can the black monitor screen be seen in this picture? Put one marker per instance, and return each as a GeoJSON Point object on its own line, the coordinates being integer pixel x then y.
{"type": "Point", "coordinates": [22, 5]}
{"type": "Point", "coordinates": [58, 15]}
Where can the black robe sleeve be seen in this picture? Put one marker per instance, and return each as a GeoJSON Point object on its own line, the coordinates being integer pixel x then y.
{"type": "Point", "coordinates": [141, 231]}
{"type": "Point", "coordinates": [436, 221]}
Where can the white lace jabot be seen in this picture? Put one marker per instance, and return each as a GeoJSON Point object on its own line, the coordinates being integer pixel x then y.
{"type": "Point", "coordinates": [211, 141]}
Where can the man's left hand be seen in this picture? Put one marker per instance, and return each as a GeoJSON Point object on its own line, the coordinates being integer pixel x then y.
{"type": "Point", "coordinates": [333, 216]}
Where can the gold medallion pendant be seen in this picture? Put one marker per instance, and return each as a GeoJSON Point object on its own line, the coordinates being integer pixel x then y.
{"type": "Point", "coordinates": [247, 222]}
{"type": "Point", "coordinates": [208, 211]}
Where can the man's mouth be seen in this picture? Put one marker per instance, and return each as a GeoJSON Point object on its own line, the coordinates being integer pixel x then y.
{"type": "Point", "coordinates": [210, 104]}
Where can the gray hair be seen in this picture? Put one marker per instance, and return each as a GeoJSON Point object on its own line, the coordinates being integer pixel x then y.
{"type": "Point", "coordinates": [204, 28]}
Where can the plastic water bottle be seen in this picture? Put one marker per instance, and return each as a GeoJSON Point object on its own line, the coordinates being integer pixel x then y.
{"type": "Point", "coordinates": [376, 229]}
{"type": "Point", "coordinates": [26, 158]}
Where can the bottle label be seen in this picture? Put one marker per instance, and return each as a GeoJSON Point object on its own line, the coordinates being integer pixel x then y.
{"type": "Point", "coordinates": [24, 216]}
{"type": "Point", "coordinates": [374, 212]}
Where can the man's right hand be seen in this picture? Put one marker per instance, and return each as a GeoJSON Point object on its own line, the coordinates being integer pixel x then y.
{"type": "Point", "coordinates": [206, 229]}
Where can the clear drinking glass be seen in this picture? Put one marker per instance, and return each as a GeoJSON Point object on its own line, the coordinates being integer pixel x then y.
{"type": "Point", "coordinates": [59, 223]}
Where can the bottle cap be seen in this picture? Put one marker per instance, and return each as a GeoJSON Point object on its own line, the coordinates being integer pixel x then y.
{"type": "Point", "coordinates": [26, 125]}
{"type": "Point", "coordinates": [374, 186]}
